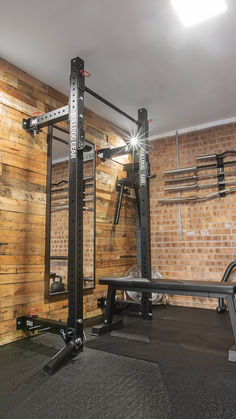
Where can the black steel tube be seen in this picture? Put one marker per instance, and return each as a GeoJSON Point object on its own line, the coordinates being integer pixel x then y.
{"type": "Point", "coordinates": [136, 190]}
{"type": "Point", "coordinates": [55, 325]}
{"type": "Point", "coordinates": [228, 271]}
{"type": "Point", "coordinates": [144, 199]}
{"type": "Point", "coordinates": [201, 186]}
{"type": "Point", "coordinates": [214, 156]}
{"type": "Point", "coordinates": [59, 190]}
{"type": "Point", "coordinates": [118, 208]}
{"type": "Point", "coordinates": [206, 157]}
{"type": "Point", "coordinates": [196, 177]}
{"type": "Point", "coordinates": [222, 307]}
{"type": "Point", "coordinates": [108, 153]}
{"type": "Point", "coordinates": [61, 140]}
{"type": "Point", "coordinates": [226, 153]}
{"type": "Point", "coordinates": [49, 118]}
{"type": "Point", "coordinates": [60, 182]}
{"type": "Point", "coordinates": [106, 102]}
{"type": "Point", "coordinates": [61, 129]}
{"type": "Point", "coordinates": [48, 211]}
{"type": "Point", "coordinates": [59, 257]}
{"type": "Point", "coordinates": [196, 168]}
{"type": "Point", "coordinates": [181, 170]}
{"type": "Point", "coordinates": [88, 185]}
{"type": "Point", "coordinates": [58, 360]}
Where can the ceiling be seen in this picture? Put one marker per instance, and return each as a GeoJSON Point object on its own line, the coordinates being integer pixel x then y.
{"type": "Point", "coordinates": [138, 52]}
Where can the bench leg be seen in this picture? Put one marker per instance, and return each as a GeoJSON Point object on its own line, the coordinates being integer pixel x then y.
{"type": "Point", "coordinates": [110, 305]}
{"type": "Point", "coordinates": [232, 314]}
{"type": "Point", "coordinates": [107, 326]}
{"type": "Point", "coordinates": [221, 305]}
{"type": "Point", "coordinates": [146, 306]}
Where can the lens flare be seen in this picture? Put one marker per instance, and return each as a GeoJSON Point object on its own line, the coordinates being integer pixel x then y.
{"type": "Point", "coordinates": [133, 141]}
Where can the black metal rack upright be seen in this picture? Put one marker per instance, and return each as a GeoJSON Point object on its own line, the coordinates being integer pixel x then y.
{"type": "Point", "coordinates": [76, 188]}
{"type": "Point", "coordinates": [144, 210]}
{"type": "Point", "coordinates": [72, 331]}
{"type": "Point", "coordinates": [138, 175]}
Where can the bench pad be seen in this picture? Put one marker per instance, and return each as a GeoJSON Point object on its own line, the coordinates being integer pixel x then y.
{"type": "Point", "coordinates": [172, 285]}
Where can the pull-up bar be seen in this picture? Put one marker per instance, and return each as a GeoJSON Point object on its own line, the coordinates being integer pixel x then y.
{"type": "Point", "coordinates": [106, 102]}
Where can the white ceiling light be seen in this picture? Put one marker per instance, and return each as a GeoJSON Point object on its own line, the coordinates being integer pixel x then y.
{"type": "Point", "coordinates": [191, 12]}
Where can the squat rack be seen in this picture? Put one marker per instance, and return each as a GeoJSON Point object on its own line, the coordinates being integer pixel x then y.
{"type": "Point", "coordinates": [72, 331]}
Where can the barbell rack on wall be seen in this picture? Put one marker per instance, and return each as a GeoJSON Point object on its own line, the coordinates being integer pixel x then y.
{"type": "Point", "coordinates": [196, 177]}
{"type": "Point", "coordinates": [220, 174]}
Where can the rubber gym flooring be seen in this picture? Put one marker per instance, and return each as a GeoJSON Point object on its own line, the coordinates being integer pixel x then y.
{"type": "Point", "coordinates": [174, 366]}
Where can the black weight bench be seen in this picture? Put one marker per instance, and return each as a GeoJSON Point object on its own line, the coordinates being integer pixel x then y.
{"type": "Point", "coordinates": [209, 289]}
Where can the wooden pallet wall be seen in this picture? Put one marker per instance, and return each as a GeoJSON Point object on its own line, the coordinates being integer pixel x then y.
{"type": "Point", "coordinates": [22, 204]}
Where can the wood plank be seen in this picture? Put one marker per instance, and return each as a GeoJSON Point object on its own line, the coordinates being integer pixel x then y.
{"type": "Point", "coordinates": [21, 106]}
{"type": "Point", "coordinates": [22, 222]}
{"type": "Point", "coordinates": [30, 299]}
{"type": "Point", "coordinates": [27, 248]}
{"type": "Point", "coordinates": [22, 195]}
{"type": "Point", "coordinates": [21, 277]}
{"type": "Point", "coordinates": [21, 184]}
{"type": "Point", "coordinates": [11, 122]}
{"type": "Point", "coordinates": [7, 326]}
{"type": "Point", "coordinates": [21, 268]}
{"type": "Point", "coordinates": [15, 93]}
{"type": "Point", "coordinates": [21, 260]}
{"type": "Point", "coordinates": [18, 74]}
{"type": "Point", "coordinates": [11, 236]}
{"type": "Point", "coordinates": [22, 162]}
{"type": "Point", "coordinates": [107, 271]}
{"type": "Point", "coordinates": [22, 288]}
{"type": "Point", "coordinates": [25, 175]}
{"type": "Point", "coordinates": [105, 262]}
{"type": "Point", "coordinates": [18, 206]}
{"type": "Point", "coordinates": [16, 148]}
{"type": "Point", "coordinates": [11, 337]}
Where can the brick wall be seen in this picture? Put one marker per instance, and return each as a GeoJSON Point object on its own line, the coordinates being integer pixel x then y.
{"type": "Point", "coordinates": [208, 228]}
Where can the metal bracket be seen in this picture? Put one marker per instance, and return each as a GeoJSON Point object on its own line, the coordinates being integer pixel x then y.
{"type": "Point", "coordinates": [126, 190]}
{"type": "Point", "coordinates": [36, 122]}
{"type": "Point", "coordinates": [119, 184]}
{"type": "Point", "coordinates": [107, 153]}
{"type": "Point", "coordinates": [34, 323]}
